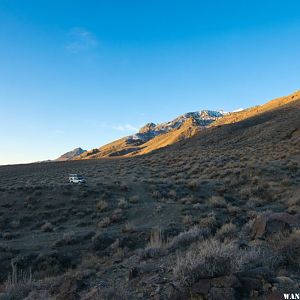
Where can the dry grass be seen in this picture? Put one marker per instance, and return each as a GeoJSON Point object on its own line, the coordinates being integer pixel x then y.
{"type": "Point", "coordinates": [250, 168]}
{"type": "Point", "coordinates": [217, 202]}
{"type": "Point", "coordinates": [157, 239]}
{"type": "Point", "coordinates": [212, 258]}
{"type": "Point", "coordinates": [129, 227]}
{"type": "Point", "coordinates": [227, 231]}
{"type": "Point", "coordinates": [289, 248]}
{"type": "Point", "coordinates": [18, 284]}
{"type": "Point", "coordinates": [188, 237]}
{"type": "Point", "coordinates": [134, 199]}
{"type": "Point", "coordinates": [122, 203]}
{"type": "Point", "coordinates": [208, 222]}
{"type": "Point", "coordinates": [101, 206]}
{"type": "Point", "coordinates": [106, 221]}
{"type": "Point", "coordinates": [47, 227]}
{"type": "Point", "coordinates": [187, 220]}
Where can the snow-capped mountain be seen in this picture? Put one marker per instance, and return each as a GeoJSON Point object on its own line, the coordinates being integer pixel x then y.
{"type": "Point", "coordinates": [200, 118]}
{"type": "Point", "coordinates": [153, 136]}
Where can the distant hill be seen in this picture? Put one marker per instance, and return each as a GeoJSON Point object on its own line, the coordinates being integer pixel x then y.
{"type": "Point", "coordinates": [154, 136]}
{"type": "Point", "coordinates": [71, 154]}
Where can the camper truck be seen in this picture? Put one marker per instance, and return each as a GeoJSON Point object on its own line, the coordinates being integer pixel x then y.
{"type": "Point", "coordinates": [76, 178]}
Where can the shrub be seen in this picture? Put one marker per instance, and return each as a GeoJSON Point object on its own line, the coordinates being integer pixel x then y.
{"type": "Point", "coordinates": [172, 194]}
{"type": "Point", "coordinates": [197, 206]}
{"type": "Point", "coordinates": [101, 205]}
{"type": "Point", "coordinates": [156, 195]}
{"type": "Point", "coordinates": [228, 230]}
{"type": "Point", "coordinates": [117, 215]}
{"type": "Point", "coordinates": [188, 237]}
{"type": "Point", "coordinates": [187, 200]}
{"type": "Point", "coordinates": [289, 248]}
{"type": "Point", "coordinates": [209, 222]}
{"type": "Point", "coordinates": [69, 237]}
{"type": "Point", "coordinates": [187, 220]}
{"type": "Point", "coordinates": [294, 201]}
{"type": "Point", "coordinates": [129, 227]}
{"type": "Point", "coordinates": [217, 202]}
{"type": "Point", "coordinates": [122, 203]}
{"type": "Point", "coordinates": [157, 239]}
{"type": "Point", "coordinates": [156, 246]}
{"type": "Point", "coordinates": [193, 184]}
{"type": "Point", "coordinates": [18, 284]}
{"type": "Point", "coordinates": [212, 258]}
{"type": "Point", "coordinates": [134, 199]}
{"type": "Point", "coordinates": [104, 222]}
{"type": "Point", "coordinates": [233, 210]}
{"type": "Point", "coordinates": [47, 227]}
{"type": "Point", "coordinates": [158, 208]}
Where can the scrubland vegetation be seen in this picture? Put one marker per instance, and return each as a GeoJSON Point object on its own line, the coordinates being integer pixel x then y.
{"type": "Point", "coordinates": [213, 217]}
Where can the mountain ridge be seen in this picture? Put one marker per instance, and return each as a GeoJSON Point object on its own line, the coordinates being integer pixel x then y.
{"type": "Point", "coordinates": [154, 136]}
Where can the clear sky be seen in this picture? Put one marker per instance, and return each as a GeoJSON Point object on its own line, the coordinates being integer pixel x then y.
{"type": "Point", "coordinates": [83, 73]}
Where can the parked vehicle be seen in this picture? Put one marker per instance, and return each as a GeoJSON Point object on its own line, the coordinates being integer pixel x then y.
{"type": "Point", "coordinates": [76, 178]}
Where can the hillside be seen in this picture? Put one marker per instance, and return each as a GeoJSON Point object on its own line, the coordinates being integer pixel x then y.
{"type": "Point", "coordinates": [256, 110]}
{"type": "Point", "coordinates": [154, 136]}
{"type": "Point", "coordinates": [213, 216]}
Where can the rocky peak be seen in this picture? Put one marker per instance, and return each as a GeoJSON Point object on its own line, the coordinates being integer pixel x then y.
{"type": "Point", "coordinates": [148, 127]}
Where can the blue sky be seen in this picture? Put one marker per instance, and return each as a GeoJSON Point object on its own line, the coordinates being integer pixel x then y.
{"type": "Point", "coordinates": [83, 73]}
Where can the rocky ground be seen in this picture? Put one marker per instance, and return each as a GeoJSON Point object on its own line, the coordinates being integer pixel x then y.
{"type": "Point", "coordinates": [216, 216]}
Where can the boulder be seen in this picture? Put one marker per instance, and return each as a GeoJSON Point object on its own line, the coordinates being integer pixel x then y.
{"type": "Point", "coordinates": [275, 295]}
{"type": "Point", "coordinates": [265, 225]}
{"type": "Point", "coordinates": [224, 293]}
{"type": "Point", "coordinates": [254, 281]}
{"type": "Point", "coordinates": [216, 287]}
{"type": "Point", "coordinates": [202, 287]}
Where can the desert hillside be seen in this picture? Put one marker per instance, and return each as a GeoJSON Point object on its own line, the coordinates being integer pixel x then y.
{"type": "Point", "coordinates": [213, 216]}
{"type": "Point", "coordinates": [154, 136]}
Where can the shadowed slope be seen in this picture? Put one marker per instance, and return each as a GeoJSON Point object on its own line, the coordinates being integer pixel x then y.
{"type": "Point", "coordinates": [186, 126]}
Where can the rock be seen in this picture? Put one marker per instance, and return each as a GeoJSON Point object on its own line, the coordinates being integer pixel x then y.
{"type": "Point", "coordinates": [284, 280]}
{"type": "Point", "coordinates": [222, 287]}
{"type": "Point", "coordinates": [254, 280]}
{"type": "Point", "coordinates": [202, 287]}
{"type": "Point", "coordinates": [222, 294]}
{"type": "Point", "coordinates": [265, 225]}
{"type": "Point", "coordinates": [285, 284]}
{"type": "Point", "coordinates": [275, 295]}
